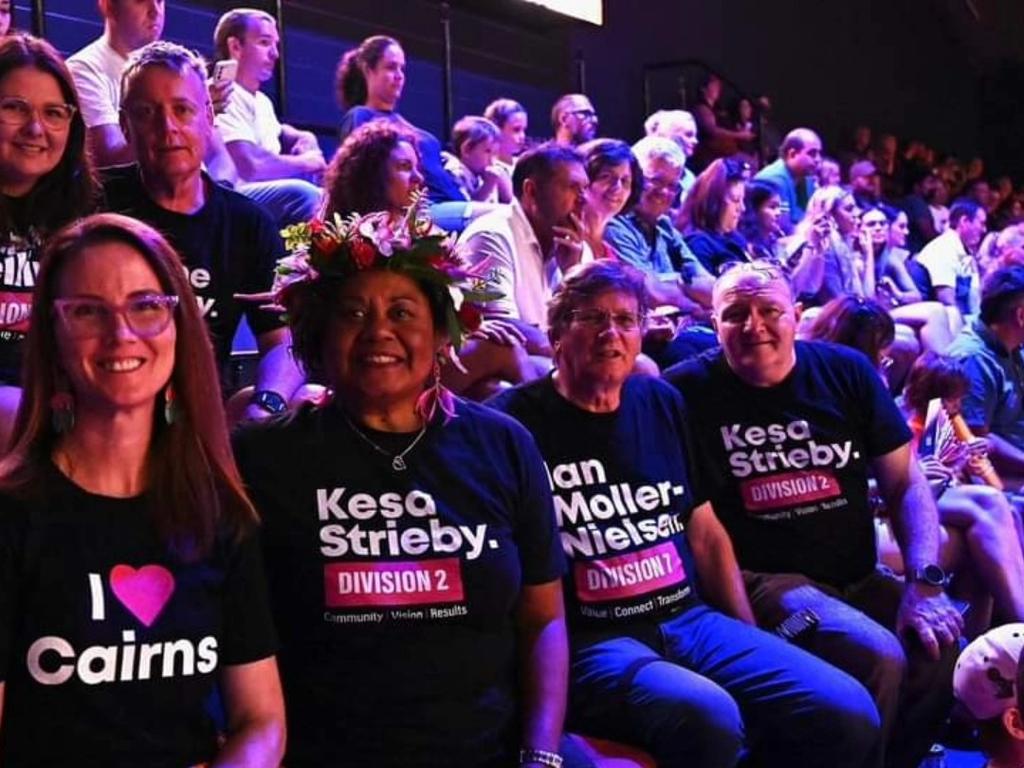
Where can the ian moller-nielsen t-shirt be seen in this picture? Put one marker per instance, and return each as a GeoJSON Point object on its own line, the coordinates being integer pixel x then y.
{"type": "Point", "coordinates": [622, 498]}
{"type": "Point", "coordinates": [109, 648]}
{"type": "Point", "coordinates": [395, 591]}
{"type": "Point", "coordinates": [228, 246]}
{"type": "Point", "coordinates": [786, 467]}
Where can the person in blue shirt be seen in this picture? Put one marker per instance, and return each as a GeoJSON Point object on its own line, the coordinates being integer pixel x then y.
{"type": "Point", "coordinates": [793, 174]}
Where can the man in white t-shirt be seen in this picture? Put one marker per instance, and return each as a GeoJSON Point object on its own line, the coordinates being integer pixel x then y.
{"type": "Point", "coordinates": [528, 245]}
{"type": "Point", "coordinates": [96, 69]}
{"type": "Point", "coordinates": [276, 163]}
{"type": "Point", "coordinates": [127, 26]}
{"type": "Point", "coordinates": [949, 259]}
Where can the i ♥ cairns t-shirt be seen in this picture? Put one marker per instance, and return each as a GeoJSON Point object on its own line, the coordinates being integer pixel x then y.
{"type": "Point", "coordinates": [109, 648]}
{"type": "Point", "coordinates": [622, 496]}
{"type": "Point", "coordinates": [786, 467]}
{"type": "Point", "coordinates": [395, 591]}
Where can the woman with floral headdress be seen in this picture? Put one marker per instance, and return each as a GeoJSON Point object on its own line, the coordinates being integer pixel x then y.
{"type": "Point", "coordinates": [409, 536]}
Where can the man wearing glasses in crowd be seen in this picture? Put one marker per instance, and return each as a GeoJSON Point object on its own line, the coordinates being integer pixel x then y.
{"type": "Point", "coordinates": [573, 120]}
{"type": "Point", "coordinates": [228, 244]}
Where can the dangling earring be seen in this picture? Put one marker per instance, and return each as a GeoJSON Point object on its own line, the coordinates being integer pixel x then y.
{"type": "Point", "coordinates": [435, 396]}
{"type": "Point", "coordinates": [62, 412]}
{"type": "Point", "coordinates": [171, 410]}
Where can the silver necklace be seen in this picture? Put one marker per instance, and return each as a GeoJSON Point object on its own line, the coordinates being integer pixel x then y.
{"type": "Point", "coordinates": [397, 461]}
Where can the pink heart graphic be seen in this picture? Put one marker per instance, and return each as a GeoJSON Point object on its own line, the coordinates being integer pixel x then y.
{"type": "Point", "coordinates": [144, 592]}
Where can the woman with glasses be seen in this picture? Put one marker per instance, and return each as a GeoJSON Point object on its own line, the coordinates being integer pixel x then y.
{"type": "Point", "coordinates": [652, 663]}
{"type": "Point", "coordinates": [615, 183]}
{"type": "Point", "coordinates": [130, 579]}
{"type": "Point", "coordinates": [46, 180]}
{"type": "Point", "coordinates": [711, 215]}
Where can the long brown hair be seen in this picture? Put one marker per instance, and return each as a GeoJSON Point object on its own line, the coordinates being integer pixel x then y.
{"type": "Point", "coordinates": [70, 190]}
{"type": "Point", "coordinates": [703, 207]}
{"type": "Point", "coordinates": [194, 489]}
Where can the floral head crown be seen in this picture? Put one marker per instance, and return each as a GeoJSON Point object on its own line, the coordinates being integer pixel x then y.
{"type": "Point", "coordinates": [409, 244]}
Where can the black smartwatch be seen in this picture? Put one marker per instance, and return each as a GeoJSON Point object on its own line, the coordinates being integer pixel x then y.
{"type": "Point", "coordinates": [269, 401]}
{"type": "Point", "coordinates": [931, 575]}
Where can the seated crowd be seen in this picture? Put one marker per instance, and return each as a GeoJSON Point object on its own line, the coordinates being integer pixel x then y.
{"type": "Point", "coordinates": [555, 451]}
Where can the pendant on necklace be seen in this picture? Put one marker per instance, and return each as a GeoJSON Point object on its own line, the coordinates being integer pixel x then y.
{"type": "Point", "coordinates": [398, 464]}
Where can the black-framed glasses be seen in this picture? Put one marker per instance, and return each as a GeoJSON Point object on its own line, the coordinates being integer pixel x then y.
{"type": "Point", "coordinates": [599, 319]}
{"type": "Point", "coordinates": [146, 316]}
{"type": "Point", "coordinates": [15, 110]}
{"type": "Point", "coordinates": [586, 114]}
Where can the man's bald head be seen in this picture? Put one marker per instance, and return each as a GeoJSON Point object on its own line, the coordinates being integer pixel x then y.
{"type": "Point", "coordinates": [755, 318]}
{"type": "Point", "coordinates": [751, 278]}
{"type": "Point", "coordinates": [801, 152]}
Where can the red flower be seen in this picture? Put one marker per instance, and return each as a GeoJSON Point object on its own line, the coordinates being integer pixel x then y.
{"type": "Point", "coordinates": [363, 254]}
{"type": "Point", "coordinates": [470, 316]}
{"type": "Point", "coordinates": [326, 245]}
{"type": "Point", "coordinates": [316, 227]}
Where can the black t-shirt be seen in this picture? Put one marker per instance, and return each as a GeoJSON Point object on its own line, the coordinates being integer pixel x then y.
{"type": "Point", "coordinates": [786, 467]}
{"type": "Point", "coordinates": [395, 592]}
{"type": "Point", "coordinates": [109, 648]}
{"type": "Point", "coordinates": [20, 249]}
{"type": "Point", "coordinates": [228, 246]}
{"type": "Point", "coordinates": [622, 498]}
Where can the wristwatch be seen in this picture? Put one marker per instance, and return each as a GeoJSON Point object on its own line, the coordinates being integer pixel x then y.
{"type": "Point", "coordinates": [931, 575]}
{"type": "Point", "coordinates": [269, 401]}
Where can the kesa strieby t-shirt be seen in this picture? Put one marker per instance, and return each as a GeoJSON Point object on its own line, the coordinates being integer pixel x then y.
{"type": "Point", "coordinates": [622, 498]}
{"type": "Point", "coordinates": [786, 467]}
{"type": "Point", "coordinates": [109, 648]}
{"type": "Point", "coordinates": [395, 591]}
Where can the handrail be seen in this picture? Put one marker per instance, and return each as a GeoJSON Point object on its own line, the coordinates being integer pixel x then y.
{"type": "Point", "coordinates": [279, 76]}
{"type": "Point", "coordinates": [38, 18]}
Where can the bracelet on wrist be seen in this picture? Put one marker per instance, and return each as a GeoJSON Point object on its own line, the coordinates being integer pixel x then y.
{"type": "Point", "coordinates": [540, 757]}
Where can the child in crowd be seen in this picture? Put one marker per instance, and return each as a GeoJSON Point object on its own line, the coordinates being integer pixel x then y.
{"type": "Point", "coordinates": [987, 682]}
{"type": "Point", "coordinates": [475, 141]}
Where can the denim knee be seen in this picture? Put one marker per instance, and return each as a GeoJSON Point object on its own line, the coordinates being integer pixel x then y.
{"type": "Point", "coordinates": [708, 732]}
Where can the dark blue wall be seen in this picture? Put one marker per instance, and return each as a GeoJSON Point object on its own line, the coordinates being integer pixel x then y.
{"type": "Point", "coordinates": [317, 34]}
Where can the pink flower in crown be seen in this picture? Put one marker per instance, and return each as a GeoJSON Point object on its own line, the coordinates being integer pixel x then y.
{"type": "Point", "coordinates": [377, 229]}
{"type": "Point", "coordinates": [292, 269]}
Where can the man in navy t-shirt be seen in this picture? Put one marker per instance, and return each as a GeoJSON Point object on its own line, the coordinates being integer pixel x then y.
{"type": "Point", "coordinates": [788, 435]}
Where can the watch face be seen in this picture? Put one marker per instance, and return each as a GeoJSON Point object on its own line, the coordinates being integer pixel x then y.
{"type": "Point", "coordinates": [934, 575]}
{"type": "Point", "coordinates": [270, 401]}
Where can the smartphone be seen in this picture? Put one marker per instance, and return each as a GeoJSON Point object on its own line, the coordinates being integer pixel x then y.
{"type": "Point", "coordinates": [225, 70]}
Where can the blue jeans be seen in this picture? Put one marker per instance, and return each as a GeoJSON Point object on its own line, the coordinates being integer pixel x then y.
{"type": "Point", "coordinates": [702, 689]}
{"type": "Point", "coordinates": [913, 693]}
{"type": "Point", "coordinates": [288, 201]}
